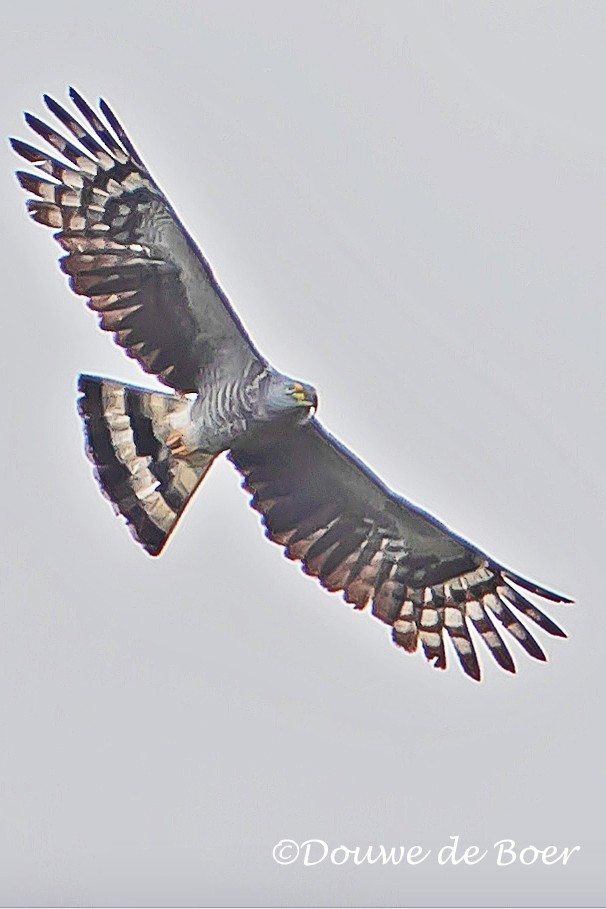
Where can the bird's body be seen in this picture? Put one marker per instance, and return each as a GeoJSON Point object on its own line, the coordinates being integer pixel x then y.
{"type": "Point", "coordinates": [226, 411]}
{"type": "Point", "coordinates": [128, 253]}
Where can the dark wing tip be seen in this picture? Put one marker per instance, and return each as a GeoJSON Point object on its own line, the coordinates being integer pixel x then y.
{"type": "Point", "coordinates": [79, 101]}
{"type": "Point", "coordinates": [29, 152]}
{"type": "Point", "coordinates": [532, 587]}
{"type": "Point", "coordinates": [77, 98]}
{"type": "Point", "coordinates": [473, 672]}
{"type": "Point", "coordinates": [469, 661]}
{"type": "Point", "coordinates": [119, 131]}
{"type": "Point", "coordinates": [533, 648]}
{"type": "Point", "coordinates": [35, 122]}
{"type": "Point", "coordinates": [32, 183]}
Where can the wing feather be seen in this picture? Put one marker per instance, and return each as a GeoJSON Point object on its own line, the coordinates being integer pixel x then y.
{"type": "Point", "coordinates": [351, 532]}
{"type": "Point", "coordinates": [104, 202]}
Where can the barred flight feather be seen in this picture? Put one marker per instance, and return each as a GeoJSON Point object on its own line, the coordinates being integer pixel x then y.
{"type": "Point", "coordinates": [105, 201]}
{"type": "Point", "coordinates": [420, 579]}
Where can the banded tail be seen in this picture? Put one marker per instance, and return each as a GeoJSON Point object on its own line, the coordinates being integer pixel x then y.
{"type": "Point", "coordinates": [126, 439]}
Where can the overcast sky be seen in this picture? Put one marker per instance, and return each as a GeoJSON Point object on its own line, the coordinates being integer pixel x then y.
{"type": "Point", "coordinates": [405, 204]}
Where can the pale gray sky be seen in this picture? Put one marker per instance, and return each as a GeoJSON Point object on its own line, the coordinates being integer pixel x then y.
{"type": "Point", "coordinates": [405, 203]}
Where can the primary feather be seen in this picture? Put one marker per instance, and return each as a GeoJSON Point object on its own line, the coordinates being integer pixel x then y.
{"type": "Point", "coordinates": [129, 253]}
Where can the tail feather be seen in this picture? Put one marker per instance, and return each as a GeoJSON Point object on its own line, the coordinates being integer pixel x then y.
{"type": "Point", "coordinates": [126, 432]}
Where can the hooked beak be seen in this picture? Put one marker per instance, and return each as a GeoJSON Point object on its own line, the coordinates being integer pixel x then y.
{"type": "Point", "coordinates": [304, 396]}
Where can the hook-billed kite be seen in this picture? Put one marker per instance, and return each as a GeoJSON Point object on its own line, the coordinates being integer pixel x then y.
{"type": "Point", "coordinates": [130, 256]}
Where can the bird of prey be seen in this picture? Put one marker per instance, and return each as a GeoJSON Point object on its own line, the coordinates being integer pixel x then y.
{"type": "Point", "coordinates": [129, 255]}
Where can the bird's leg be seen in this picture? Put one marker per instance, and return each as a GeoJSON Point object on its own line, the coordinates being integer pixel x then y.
{"type": "Point", "coordinates": [176, 443]}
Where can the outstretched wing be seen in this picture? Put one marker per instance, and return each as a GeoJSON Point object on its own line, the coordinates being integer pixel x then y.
{"type": "Point", "coordinates": [129, 253]}
{"type": "Point", "coordinates": [351, 532]}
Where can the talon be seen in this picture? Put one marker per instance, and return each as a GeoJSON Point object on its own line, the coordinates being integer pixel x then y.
{"type": "Point", "coordinates": [177, 445]}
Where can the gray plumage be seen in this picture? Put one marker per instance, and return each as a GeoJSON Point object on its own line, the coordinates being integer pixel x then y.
{"type": "Point", "coordinates": [130, 256]}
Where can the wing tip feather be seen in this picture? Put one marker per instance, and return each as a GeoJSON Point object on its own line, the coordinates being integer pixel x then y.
{"type": "Point", "coordinates": [531, 586]}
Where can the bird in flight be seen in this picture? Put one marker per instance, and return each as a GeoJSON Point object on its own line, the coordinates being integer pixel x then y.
{"type": "Point", "coordinates": [129, 255]}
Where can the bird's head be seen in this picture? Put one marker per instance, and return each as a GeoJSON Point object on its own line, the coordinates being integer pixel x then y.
{"type": "Point", "coordinates": [290, 398]}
